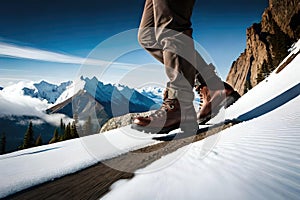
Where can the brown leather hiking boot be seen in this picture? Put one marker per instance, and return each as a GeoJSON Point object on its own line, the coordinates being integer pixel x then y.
{"type": "Point", "coordinates": [211, 101]}
{"type": "Point", "coordinates": [170, 116]}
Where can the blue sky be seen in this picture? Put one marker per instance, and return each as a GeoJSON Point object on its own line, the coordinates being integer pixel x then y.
{"type": "Point", "coordinates": [75, 28]}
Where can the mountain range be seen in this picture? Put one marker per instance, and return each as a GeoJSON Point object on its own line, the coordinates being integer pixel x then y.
{"type": "Point", "coordinates": [105, 100]}
{"type": "Point", "coordinates": [154, 93]}
{"type": "Point", "coordinates": [45, 104]}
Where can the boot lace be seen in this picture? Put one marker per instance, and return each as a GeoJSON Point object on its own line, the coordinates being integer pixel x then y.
{"type": "Point", "coordinates": [200, 91]}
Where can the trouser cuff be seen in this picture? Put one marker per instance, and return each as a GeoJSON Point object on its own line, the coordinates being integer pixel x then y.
{"type": "Point", "coordinates": [181, 95]}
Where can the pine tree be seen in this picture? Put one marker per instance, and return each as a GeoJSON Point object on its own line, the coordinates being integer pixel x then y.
{"type": "Point", "coordinates": [67, 135]}
{"type": "Point", "coordinates": [28, 137]}
{"type": "Point", "coordinates": [39, 141]}
{"type": "Point", "coordinates": [55, 137]}
{"type": "Point", "coordinates": [74, 132]}
{"type": "Point", "coordinates": [3, 144]}
{"type": "Point", "coordinates": [62, 127]}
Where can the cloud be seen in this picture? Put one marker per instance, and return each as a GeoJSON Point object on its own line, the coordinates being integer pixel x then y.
{"type": "Point", "coordinates": [13, 70]}
{"type": "Point", "coordinates": [15, 51]}
{"type": "Point", "coordinates": [13, 102]}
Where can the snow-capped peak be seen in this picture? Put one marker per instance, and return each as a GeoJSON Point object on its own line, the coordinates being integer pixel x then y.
{"type": "Point", "coordinates": [45, 90]}
{"type": "Point", "coordinates": [71, 90]}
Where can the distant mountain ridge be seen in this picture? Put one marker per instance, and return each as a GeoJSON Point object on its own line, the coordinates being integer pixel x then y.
{"type": "Point", "coordinates": [101, 101]}
{"type": "Point", "coordinates": [154, 93]}
{"type": "Point", "coordinates": [56, 94]}
{"type": "Point", "coordinates": [45, 90]}
{"type": "Point", "coordinates": [117, 100]}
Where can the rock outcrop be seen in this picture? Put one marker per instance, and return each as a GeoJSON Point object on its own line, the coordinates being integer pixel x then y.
{"type": "Point", "coordinates": [267, 45]}
{"type": "Point", "coordinates": [121, 121]}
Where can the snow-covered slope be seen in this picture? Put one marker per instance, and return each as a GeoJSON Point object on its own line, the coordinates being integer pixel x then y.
{"type": "Point", "coordinates": [22, 169]}
{"type": "Point", "coordinates": [256, 159]}
{"type": "Point", "coordinates": [273, 86]}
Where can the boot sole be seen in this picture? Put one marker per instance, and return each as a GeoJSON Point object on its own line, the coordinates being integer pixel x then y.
{"type": "Point", "coordinates": [186, 127]}
{"type": "Point", "coordinates": [153, 130]}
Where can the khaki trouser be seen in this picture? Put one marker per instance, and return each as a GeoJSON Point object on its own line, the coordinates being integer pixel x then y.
{"type": "Point", "coordinates": [166, 33]}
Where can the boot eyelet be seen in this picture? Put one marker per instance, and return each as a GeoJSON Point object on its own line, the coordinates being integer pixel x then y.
{"type": "Point", "coordinates": [172, 107]}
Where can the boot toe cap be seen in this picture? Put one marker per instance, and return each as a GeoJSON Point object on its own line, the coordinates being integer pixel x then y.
{"type": "Point", "coordinates": [141, 121]}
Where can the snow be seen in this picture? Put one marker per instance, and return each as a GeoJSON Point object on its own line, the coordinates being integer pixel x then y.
{"type": "Point", "coordinates": [70, 91]}
{"type": "Point", "coordinates": [43, 90]}
{"type": "Point", "coordinates": [25, 168]}
{"type": "Point", "coordinates": [256, 159]}
{"type": "Point", "coordinates": [49, 91]}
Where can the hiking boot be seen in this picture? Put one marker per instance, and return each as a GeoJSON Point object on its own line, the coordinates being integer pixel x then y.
{"type": "Point", "coordinates": [211, 101]}
{"type": "Point", "coordinates": [172, 115]}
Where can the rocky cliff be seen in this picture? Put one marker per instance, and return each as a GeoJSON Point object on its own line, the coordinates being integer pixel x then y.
{"type": "Point", "coordinates": [267, 45]}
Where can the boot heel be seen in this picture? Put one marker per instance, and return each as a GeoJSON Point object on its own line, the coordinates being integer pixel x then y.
{"type": "Point", "coordinates": [231, 99]}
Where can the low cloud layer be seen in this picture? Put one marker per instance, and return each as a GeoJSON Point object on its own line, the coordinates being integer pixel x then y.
{"type": "Point", "coordinates": [15, 51]}
{"type": "Point", "coordinates": [13, 102]}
